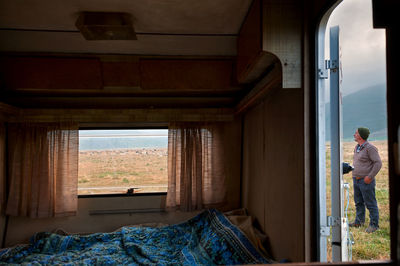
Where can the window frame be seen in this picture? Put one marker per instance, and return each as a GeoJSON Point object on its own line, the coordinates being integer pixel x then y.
{"type": "Point", "coordinates": [121, 127]}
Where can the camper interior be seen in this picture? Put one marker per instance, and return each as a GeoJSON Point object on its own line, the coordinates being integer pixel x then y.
{"type": "Point", "coordinates": [247, 66]}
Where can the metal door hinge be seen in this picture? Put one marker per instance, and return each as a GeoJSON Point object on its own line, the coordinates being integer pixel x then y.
{"type": "Point", "coordinates": [325, 231]}
{"type": "Point", "coordinates": [333, 221]}
{"type": "Point", "coordinates": [322, 74]}
{"type": "Point", "coordinates": [331, 64]}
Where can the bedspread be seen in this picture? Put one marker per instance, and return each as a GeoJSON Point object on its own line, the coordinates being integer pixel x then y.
{"type": "Point", "coordinates": [207, 239]}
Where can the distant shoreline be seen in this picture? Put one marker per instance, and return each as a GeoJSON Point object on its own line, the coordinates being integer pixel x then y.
{"type": "Point", "coordinates": [127, 150]}
{"type": "Point", "coordinates": [99, 143]}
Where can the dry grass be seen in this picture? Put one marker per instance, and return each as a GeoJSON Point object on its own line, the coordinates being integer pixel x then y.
{"type": "Point", "coordinates": [375, 246]}
{"type": "Point", "coordinates": [145, 169]}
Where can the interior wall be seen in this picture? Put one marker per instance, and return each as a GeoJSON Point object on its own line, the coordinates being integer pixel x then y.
{"type": "Point", "coordinates": [2, 227]}
{"type": "Point", "coordinates": [273, 171]}
{"type": "Point", "coordinates": [2, 177]}
{"type": "Point", "coordinates": [232, 153]}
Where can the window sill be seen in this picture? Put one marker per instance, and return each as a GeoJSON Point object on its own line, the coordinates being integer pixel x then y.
{"type": "Point", "coordinates": [123, 195]}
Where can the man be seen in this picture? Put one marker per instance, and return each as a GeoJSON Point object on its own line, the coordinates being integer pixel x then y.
{"type": "Point", "coordinates": [367, 163]}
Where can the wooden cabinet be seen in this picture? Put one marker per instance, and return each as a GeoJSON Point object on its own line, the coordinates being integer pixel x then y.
{"type": "Point", "coordinates": [271, 34]}
{"type": "Point", "coordinates": [50, 73]}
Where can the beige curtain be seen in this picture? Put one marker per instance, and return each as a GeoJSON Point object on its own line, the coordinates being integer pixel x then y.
{"type": "Point", "coordinates": [196, 176]}
{"type": "Point", "coordinates": [43, 169]}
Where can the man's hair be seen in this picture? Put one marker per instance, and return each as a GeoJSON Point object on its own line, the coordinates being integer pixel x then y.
{"type": "Point", "coordinates": [363, 132]}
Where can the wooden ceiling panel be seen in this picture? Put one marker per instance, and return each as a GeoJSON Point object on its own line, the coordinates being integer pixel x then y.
{"type": "Point", "coordinates": [73, 42]}
{"type": "Point", "coordinates": [117, 82]}
{"type": "Point", "coordinates": [150, 16]}
{"type": "Point", "coordinates": [186, 75]}
{"type": "Point", "coordinates": [119, 102]}
{"type": "Point", "coordinates": [50, 73]}
{"type": "Point", "coordinates": [177, 27]}
{"type": "Point", "coordinates": [121, 74]}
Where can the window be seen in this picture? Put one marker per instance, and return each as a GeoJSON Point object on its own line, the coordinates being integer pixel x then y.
{"type": "Point", "coordinates": [122, 161]}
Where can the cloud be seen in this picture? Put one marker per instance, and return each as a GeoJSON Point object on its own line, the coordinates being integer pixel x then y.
{"type": "Point", "coordinates": [362, 46]}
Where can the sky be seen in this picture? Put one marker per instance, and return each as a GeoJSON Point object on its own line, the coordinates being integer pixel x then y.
{"type": "Point", "coordinates": [362, 47]}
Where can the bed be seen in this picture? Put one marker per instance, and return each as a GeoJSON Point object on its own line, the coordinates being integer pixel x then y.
{"type": "Point", "coordinates": [208, 238]}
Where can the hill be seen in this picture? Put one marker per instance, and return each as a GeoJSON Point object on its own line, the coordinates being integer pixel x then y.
{"type": "Point", "coordinates": [366, 107]}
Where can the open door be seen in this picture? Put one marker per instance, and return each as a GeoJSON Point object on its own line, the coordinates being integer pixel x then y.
{"type": "Point", "coordinates": [337, 223]}
{"type": "Point", "coordinates": [337, 220]}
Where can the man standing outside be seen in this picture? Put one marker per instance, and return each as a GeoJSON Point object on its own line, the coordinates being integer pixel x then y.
{"type": "Point", "coordinates": [367, 163]}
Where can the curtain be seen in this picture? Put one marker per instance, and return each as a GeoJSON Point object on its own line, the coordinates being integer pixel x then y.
{"type": "Point", "coordinates": [43, 169]}
{"type": "Point", "coordinates": [196, 176]}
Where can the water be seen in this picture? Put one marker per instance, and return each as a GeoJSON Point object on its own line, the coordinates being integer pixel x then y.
{"type": "Point", "coordinates": [122, 139]}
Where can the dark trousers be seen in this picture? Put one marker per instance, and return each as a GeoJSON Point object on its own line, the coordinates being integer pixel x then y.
{"type": "Point", "coordinates": [364, 196]}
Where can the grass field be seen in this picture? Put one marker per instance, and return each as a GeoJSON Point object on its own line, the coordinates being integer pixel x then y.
{"type": "Point", "coordinates": [114, 171]}
{"type": "Point", "coordinates": [375, 246]}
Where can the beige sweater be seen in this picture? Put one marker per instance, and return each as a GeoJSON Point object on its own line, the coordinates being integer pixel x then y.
{"type": "Point", "coordinates": [366, 162]}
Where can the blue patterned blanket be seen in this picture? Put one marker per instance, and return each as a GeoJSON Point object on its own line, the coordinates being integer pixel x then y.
{"type": "Point", "coordinates": [207, 239]}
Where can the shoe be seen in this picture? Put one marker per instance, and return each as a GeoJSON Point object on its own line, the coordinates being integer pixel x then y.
{"type": "Point", "coordinates": [371, 229]}
{"type": "Point", "coordinates": [355, 224]}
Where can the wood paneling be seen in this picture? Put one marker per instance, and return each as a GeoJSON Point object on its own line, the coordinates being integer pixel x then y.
{"type": "Point", "coordinates": [117, 82]}
{"type": "Point", "coordinates": [232, 154]}
{"type": "Point", "coordinates": [186, 75]}
{"type": "Point", "coordinates": [268, 85]}
{"type": "Point", "coordinates": [50, 73]}
{"type": "Point", "coordinates": [8, 111]}
{"type": "Point", "coordinates": [124, 115]}
{"type": "Point", "coordinates": [163, 75]}
{"type": "Point", "coordinates": [282, 36]}
{"type": "Point", "coordinates": [121, 74]}
{"type": "Point", "coordinates": [2, 167]}
{"type": "Point", "coordinates": [385, 15]}
{"type": "Point", "coordinates": [2, 179]}
{"type": "Point", "coordinates": [120, 102]}
{"type": "Point", "coordinates": [254, 182]}
{"type": "Point", "coordinates": [274, 171]}
{"type": "Point", "coordinates": [249, 43]}
{"type": "Point", "coordinates": [284, 164]}
{"type": "Point", "coordinates": [271, 33]}
{"type": "Point", "coordinates": [252, 61]}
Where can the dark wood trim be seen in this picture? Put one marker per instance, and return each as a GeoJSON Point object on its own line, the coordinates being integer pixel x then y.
{"type": "Point", "coordinates": [113, 126]}
{"type": "Point", "coordinates": [385, 16]}
{"type": "Point", "coordinates": [123, 195]}
{"type": "Point", "coordinates": [116, 57]}
{"type": "Point", "coordinates": [7, 109]}
{"type": "Point", "coordinates": [137, 33]}
{"type": "Point", "coordinates": [393, 116]}
{"type": "Point", "coordinates": [121, 102]}
{"type": "Point", "coordinates": [124, 116]}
